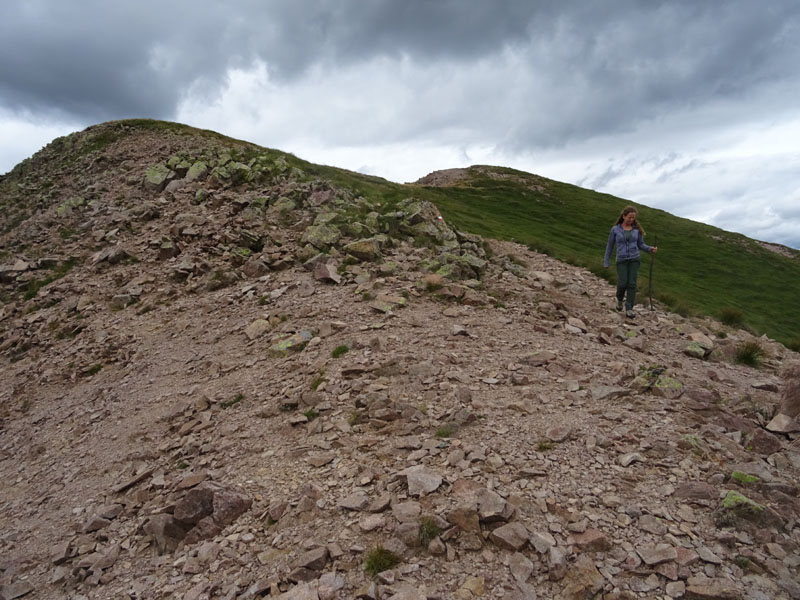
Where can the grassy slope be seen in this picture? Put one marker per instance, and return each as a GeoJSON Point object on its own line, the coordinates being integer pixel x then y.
{"type": "Point", "coordinates": [698, 269]}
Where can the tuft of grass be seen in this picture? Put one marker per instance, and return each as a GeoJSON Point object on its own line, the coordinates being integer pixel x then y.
{"type": "Point", "coordinates": [750, 353]}
{"type": "Point", "coordinates": [433, 282]}
{"type": "Point", "coordinates": [445, 431]}
{"type": "Point", "coordinates": [356, 417]}
{"type": "Point", "coordinates": [311, 414]}
{"type": "Point", "coordinates": [544, 446]}
{"type": "Point", "coordinates": [428, 531]}
{"type": "Point", "coordinates": [35, 285]}
{"type": "Point", "coordinates": [733, 317]}
{"type": "Point", "coordinates": [236, 399]}
{"type": "Point", "coordinates": [378, 560]}
{"type": "Point", "coordinates": [317, 381]}
{"type": "Point", "coordinates": [340, 350]}
{"type": "Point", "coordinates": [94, 369]}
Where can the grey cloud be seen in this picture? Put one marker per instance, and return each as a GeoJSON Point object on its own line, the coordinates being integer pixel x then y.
{"type": "Point", "coordinates": [592, 68]}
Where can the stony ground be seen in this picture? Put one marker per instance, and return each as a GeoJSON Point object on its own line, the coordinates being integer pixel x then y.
{"type": "Point", "coordinates": [511, 436]}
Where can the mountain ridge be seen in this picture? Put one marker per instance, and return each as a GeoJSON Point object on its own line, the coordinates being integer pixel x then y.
{"type": "Point", "coordinates": [229, 373]}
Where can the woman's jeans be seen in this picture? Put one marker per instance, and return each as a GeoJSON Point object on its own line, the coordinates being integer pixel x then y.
{"type": "Point", "coordinates": [627, 272]}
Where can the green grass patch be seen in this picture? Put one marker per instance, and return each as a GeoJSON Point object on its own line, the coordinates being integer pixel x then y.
{"type": "Point", "coordinates": [233, 401]}
{"type": "Point", "coordinates": [733, 317]}
{"type": "Point", "coordinates": [317, 381]}
{"type": "Point", "coordinates": [94, 369]}
{"type": "Point", "coordinates": [340, 350]}
{"type": "Point", "coordinates": [379, 559]}
{"type": "Point", "coordinates": [35, 285]}
{"type": "Point", "coordinates": [544, 446]}
{"type": "Point", "coordinates": [356, 418]}
{"type": "Point", "coordinates": [311, 414]}
{"type": "Point", "coordinates": [428, 531]}
{"type": "Point", "coordinates": [445, 431]}
{"type": "Point", "coordinates": [749, 353]}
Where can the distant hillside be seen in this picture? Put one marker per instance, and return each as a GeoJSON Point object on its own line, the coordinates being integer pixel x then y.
{"type": "Point", "coordinates": [700, 270]}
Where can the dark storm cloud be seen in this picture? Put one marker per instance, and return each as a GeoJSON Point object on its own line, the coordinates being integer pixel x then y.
{"type": "Point", "coordinates": [96, 59]}
{"type": "Point", "coordinates": [589, 67]}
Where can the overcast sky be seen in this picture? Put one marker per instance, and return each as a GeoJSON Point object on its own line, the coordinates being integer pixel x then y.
{"type": "Point", "coordinates": [689, 106]}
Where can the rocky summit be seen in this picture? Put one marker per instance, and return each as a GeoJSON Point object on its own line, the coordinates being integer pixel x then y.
{"type": "Point", "coordinates": [229, 374]}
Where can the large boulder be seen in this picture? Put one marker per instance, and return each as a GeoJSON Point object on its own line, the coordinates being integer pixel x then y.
{"type": "Point", "coordinates": [368, 249]}
{"type": "Point", "coordinates": [322, 237]}
{"type": "Point", "coordinates": [157, 177]}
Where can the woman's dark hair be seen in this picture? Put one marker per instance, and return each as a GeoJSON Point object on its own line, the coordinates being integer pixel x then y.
{"type": "Point", "coordinates": [627, 210]}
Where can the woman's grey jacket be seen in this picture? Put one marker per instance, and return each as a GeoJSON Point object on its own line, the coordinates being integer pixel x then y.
{"type": "Point", "coordinates": [626, 249]}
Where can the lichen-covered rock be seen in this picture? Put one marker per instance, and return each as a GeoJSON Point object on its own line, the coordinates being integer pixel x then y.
{"type": "Point", "coordinates": [667, 387]}
{"type": "Point", "coordinates": [367, 249]}
{"type": "Point", "coordinates": [737, 509]}
{"type": "Point", "coordinates": [157, 177]}
{"type": "Point", "coordinates": [694, 349]}
{"type": "Point", "coordinates": [291, 343]}
{"type": "Point", "coordinates": [197, 172]}
{"type": "Point", "coordinates": [322, 237]}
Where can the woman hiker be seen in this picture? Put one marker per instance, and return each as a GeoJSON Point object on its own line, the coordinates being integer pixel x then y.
{"type": "Point", "coordinates": [628, 236]}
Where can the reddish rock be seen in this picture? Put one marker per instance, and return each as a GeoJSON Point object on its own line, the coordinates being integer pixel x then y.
{"type": "Point", "coordinates": [592, 540]}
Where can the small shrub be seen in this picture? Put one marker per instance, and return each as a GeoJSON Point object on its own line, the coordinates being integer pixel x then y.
{"type": "Point", "coordinates": [749, 353]}
{"type": "Point", "coordinates": [317, 381]}
{"type": "Point", "coordinates": [236, 399]}
{"type": "Point", "coordinates": [433, 282]}
{"type": "Point", "coordinates": [379, 559]}
{"type": "Point", "coordinates": [445, 431]}
{"type": "Point", "coordinates": [311, 414]}
{"type": "Point", "coordinates": [428, 531]}
{"type": "Point", "coordinates": [339, 350]}
{"type": "Point", "coordinates": [94, 369]}
{"type": "Point", "coordinates": [682, 309]}
{"type": "Point", "coordinates": [356, 417]}
{"type": "Point", "coordinates": [733, 317]}
{"type": "Point", "coordinates": [544, 446]}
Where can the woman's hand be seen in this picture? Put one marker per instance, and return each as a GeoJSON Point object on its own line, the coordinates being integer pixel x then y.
{"type": "Point", "coordinates": [654, 249]}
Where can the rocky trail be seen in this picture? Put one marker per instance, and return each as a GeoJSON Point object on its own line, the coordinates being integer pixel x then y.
{"type": "Point", "coordinates": [223, 378]}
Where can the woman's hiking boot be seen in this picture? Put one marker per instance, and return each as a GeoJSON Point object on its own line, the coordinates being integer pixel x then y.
{"type": "Point", "coordinates": [629, 313]}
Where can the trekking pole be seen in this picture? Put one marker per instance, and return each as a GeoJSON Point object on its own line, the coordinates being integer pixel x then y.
{"type": "Point", "coordinates": [650, 283]}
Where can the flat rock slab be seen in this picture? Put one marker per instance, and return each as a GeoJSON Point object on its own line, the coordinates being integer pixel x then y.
{"type": "Point", "coordinates": [653, 555]}
{"type": "Point", "coordinates": [512, 536]}
{"type": "Point", "coordinates": [608, 392]}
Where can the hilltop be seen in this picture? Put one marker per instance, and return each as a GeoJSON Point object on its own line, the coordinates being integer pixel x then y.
{"type": "Point", "coordinates": [230, 373]}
